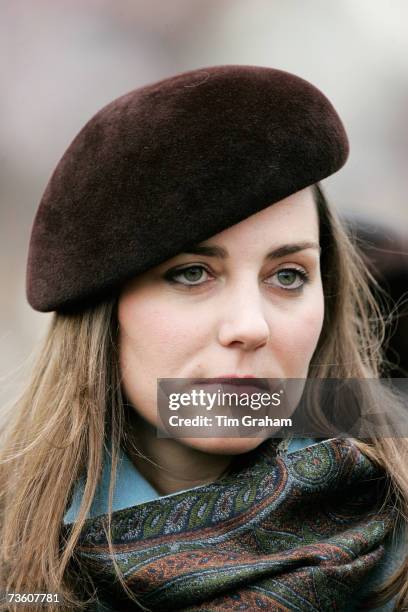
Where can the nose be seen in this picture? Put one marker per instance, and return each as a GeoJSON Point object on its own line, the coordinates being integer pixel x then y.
{"type": "Point", "coordinates": [242, 320]}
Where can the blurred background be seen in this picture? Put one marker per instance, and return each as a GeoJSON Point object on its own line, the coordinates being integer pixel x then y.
{"type": "Point", "coordinates": [62, 61]}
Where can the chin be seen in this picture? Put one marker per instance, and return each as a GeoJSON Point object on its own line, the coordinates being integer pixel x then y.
{"type": "Point", "coordinates": [223, 446]}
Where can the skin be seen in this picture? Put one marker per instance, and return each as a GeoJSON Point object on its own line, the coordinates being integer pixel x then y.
{"type": "Point", "coordinates": [237, 316]}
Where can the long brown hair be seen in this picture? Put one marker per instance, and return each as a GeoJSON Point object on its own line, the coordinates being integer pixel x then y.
{"type": "Point", "coordinates": [72, 408]}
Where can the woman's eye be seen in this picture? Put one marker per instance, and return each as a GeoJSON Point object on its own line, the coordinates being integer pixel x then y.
{"type": "Point", "coordinates": [193, 275]}
{"type": "Point", "coordinates": [290, 278]}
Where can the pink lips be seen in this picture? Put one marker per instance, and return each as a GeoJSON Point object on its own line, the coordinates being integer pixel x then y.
{"type": "Point", "coordinates": [226, 377]}
{"type": "Point", "coordinates": [235, 382]}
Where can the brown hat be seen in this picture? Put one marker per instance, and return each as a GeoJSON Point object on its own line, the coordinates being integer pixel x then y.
{"type": "Point", "coordinates": [167, 166]}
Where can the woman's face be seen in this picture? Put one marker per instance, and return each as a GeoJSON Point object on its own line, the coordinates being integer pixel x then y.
{"type": "Point", "coordinates": [248, 301]}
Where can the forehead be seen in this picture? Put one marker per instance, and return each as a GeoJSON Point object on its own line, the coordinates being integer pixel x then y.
{"type": "Point", "coordinates": [294, 218]}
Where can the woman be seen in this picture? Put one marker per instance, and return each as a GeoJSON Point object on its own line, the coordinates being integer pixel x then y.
{"type": "Point", "coordinates": [184, 235]}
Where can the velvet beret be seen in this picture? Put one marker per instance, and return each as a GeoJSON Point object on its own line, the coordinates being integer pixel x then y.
{"type": "Point", "coordinates": [169, 165]}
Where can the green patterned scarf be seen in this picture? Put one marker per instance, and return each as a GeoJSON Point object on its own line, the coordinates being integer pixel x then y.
{"type": "Point", "coordinates": [302, 531]}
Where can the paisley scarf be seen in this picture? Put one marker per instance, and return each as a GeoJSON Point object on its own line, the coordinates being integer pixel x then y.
{"type": "Point", "coordinates": [301, 531]}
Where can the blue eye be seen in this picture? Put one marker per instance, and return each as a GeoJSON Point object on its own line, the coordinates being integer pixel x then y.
{"type": "Point", "coordinates": [290, 279]}
{"type": "Point", "coordinates": [193, 275]}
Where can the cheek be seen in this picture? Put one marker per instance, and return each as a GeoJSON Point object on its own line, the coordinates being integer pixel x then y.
{"type": "Point", "coordinates": [298, 334]}
{"type": "Point", "coordinates": [158, 339]}
{"type": "Point", "coordinates": [143, 342]}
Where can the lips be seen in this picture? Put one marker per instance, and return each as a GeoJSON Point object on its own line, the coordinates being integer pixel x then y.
{"type": "Point", "coordinates": [241, 384]}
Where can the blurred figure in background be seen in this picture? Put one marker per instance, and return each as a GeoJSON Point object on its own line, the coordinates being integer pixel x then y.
{"type": "Point", "coordinates": [386, 255]}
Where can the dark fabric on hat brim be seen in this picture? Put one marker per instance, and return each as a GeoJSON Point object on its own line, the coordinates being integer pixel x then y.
{"type": "Point", "coordinates": [170, 165]}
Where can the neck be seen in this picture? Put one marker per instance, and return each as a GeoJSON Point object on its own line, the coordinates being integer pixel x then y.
{"type": "Point", "coordinates": [168, 464]}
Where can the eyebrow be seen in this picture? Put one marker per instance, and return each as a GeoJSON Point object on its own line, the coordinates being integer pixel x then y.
{"type": "Point", "coordinates": [280, 251]}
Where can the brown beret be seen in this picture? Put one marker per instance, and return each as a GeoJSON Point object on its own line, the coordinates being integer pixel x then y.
{"type": "Point", "coordinates": [167, 166]}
